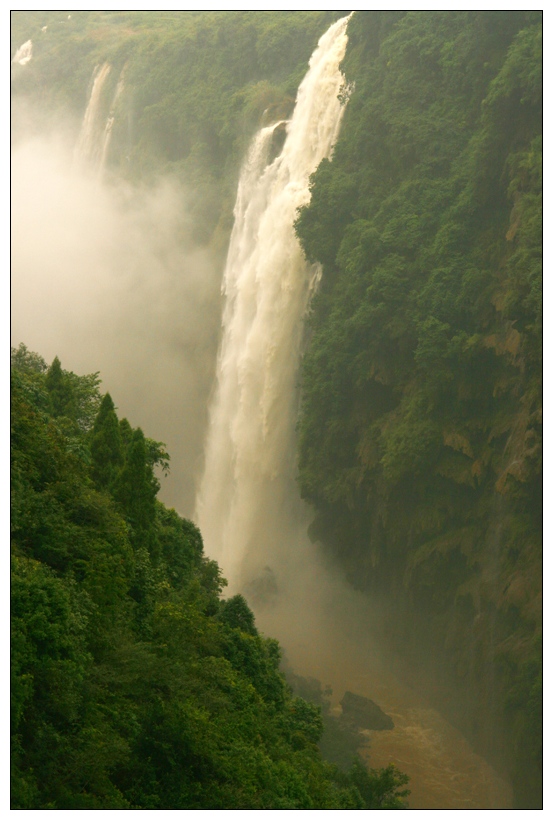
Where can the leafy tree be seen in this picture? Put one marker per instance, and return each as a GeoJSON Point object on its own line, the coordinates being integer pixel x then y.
{"type": "Point", "coordinates": [136, 487]}
{"type": "Point", "coordinates": [380, 788]}
{"type": "Point", "coordinates": [236, 613]}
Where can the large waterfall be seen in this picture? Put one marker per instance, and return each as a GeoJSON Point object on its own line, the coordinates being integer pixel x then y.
{"type": "Point", "coordinates": [247, 507]}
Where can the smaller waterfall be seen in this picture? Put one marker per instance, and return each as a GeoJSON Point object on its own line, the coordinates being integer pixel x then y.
{"type": "Point", "coordinates": [24, 54]}
{"type": "Point", "coordinates": [95, 136]}
{"type": "Point", "coordinates": [106, 137]}
{"type": "Point", "coordinates": [88, 150]}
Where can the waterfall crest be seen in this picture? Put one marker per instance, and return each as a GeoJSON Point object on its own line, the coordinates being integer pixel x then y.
{"type": "Point", "coordinates": [247, 507]}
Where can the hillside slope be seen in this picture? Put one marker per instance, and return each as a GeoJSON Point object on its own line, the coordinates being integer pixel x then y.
{"type": "Point", "coordinates": [133, 684]}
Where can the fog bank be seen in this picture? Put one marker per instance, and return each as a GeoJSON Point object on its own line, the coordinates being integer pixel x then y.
{"type": "Point", "coordinates": [106, 277]}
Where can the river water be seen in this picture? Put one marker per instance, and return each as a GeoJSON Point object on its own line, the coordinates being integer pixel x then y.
{"type": "Point", "coordinates": [444, 771]}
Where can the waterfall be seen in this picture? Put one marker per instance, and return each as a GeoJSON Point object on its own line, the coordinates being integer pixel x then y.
{"type": "Point", "coordinates": [95, 136]}
{"type": "Point", "coordinates": [24, 54]}
{"type": "Point", "coordinates": [89, 148]}
{"type": "Point", "coordinates": [106, 137]}
{"type": "Point", "coordinates": [248, 508]}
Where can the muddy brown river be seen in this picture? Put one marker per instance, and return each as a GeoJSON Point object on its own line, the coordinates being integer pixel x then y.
{"type": "Point", "coordinates": [444, 771]}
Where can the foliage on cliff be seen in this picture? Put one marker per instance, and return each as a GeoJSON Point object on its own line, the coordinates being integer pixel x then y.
{"type": "Point", "coordinates": [134, 685]}
{"type": "Point", "coordinates": [421, 412]}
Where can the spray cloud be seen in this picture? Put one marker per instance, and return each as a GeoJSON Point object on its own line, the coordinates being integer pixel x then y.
{"type": "Point", "coordinates": [107, 277]}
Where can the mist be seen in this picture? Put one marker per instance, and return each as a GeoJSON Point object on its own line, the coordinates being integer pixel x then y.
{"type": "Point", "coordinates": [107, 277]}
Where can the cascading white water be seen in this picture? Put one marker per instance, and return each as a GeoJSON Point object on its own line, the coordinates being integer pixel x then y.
{"type": "Point", "coordinates": [24, 54]}
{"type": "Point", "coordinates": [88, 150]}
{"type": "Point", "coordinates": [106, 137]}
{"type": "Point", "coordinates": [248, 508]}
{"type": "Point", "coordinates": [92, 146]}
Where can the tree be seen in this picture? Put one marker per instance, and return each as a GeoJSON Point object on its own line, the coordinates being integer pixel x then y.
{"type": "Point", "coordinates": [380, 788]}
{"type": "Point", "coordinates": [135, 489]}
{"type": "Point", "coordinates": [105, 445]}
{"type": "Point", "coordinates": [60, 392]}
{"type": "Point", "coordinates": [237, 614]}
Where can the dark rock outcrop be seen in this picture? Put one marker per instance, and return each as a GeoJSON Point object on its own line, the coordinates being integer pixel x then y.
{"type": "Point", "coordinates": [364, 713]}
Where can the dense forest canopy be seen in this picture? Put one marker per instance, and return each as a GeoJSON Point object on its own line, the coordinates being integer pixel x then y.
{"type": "Point", "coordinates": [134, 683]}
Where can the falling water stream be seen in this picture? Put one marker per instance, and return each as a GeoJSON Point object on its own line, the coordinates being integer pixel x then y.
{"type": "Point", "coordinates": [106, 136]}
{"type": "Point", "coordinates": [94, 139]}
{"type": "Point", "coordinates": [247, 506]}
{"type": "Point", "coordinates": [24, 54]}
{"type": "Point", "coordinates": [89, 145]}
{"type": "Point", "coordinates": [248, 509]}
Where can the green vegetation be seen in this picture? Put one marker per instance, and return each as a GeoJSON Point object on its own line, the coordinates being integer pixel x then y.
{"type": "Point", "coordinates": [420, 423]}
{"type": "Point", "coordinates": [134, 685]}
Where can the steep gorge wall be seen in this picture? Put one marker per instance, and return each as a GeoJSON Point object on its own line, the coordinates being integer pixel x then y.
{"type": "Point", "coordinates": [420, 425]}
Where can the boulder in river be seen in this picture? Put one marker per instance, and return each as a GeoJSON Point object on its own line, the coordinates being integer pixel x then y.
{"type": "Point", "coordinates": [364, 713]}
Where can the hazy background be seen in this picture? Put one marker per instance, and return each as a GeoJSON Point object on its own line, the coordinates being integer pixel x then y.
{"type": "Point", "coordinates": [108, 278]}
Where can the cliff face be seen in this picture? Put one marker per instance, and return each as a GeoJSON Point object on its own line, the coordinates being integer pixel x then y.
{"type": "Point", "coordinates": [420, 425]}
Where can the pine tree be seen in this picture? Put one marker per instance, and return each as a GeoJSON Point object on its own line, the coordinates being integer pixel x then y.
{"type": "Point", "coordinates": [59, 389]}
{"type": "Point", "coordinates": [135, 489]}
{"type": "Point", "coordinates": [105, 445]}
